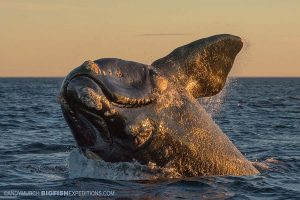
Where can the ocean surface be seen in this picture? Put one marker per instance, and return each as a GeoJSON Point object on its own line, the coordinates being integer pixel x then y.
{"type": "Point", "coordinates": [38, 155]}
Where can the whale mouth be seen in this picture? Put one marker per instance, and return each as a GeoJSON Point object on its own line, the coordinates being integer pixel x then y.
{"type": "Point", "coordinates": [87, 127]}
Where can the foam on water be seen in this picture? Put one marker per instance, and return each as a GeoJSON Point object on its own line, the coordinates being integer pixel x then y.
{"type": "Point", "coordinates": [265, 164]}
{"type": "Point", "coordinates": [81, 166]}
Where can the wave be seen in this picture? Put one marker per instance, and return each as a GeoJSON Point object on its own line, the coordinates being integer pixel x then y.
{"type": "Point", "coordinates": [38, 148]}
{"type": "Point", "coordinates": [266, 164]}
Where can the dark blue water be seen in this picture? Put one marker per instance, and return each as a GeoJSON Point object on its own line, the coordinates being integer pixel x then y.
{"type": "Point", "coordinates": [261, 116]}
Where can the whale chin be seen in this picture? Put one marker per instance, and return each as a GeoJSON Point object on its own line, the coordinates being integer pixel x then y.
{"type": "Point", "coordinates": [87, 130]}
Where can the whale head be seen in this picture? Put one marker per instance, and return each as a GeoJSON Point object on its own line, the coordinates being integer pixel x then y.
{"type": "Point", "coordinates": [96, 100]}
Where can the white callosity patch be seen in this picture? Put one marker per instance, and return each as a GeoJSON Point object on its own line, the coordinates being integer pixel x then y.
{"type": "Point", "coordinates": [162, 83]}
{"type": "Point", "coordinates": [81, 166]}
{"type": "Point", "coordinates": [91, 66]}
{"type": "Point", "coordinates": [90, 98]}
{"type": "Point", "coordinates": [142, 131]}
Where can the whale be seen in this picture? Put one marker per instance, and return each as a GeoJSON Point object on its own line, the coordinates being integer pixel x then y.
{"type": "Point", "coordinates": [125, 111]}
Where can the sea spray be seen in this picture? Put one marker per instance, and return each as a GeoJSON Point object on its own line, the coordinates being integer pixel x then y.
{"type": "Point", "coordinates": [81, 166]}
{"type": "Point", "coordinates": [213, 104]}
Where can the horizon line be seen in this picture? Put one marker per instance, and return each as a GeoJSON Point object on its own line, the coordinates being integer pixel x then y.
{"type": "Point", "coordinates": [228, 76]}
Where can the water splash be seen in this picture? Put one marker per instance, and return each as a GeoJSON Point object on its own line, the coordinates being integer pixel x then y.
{"type": "Point", "coordinates": [266, 164]}
{"type": "Point", "coordinates": [214, 103]}
{"type": "Point", "coordinates": [81, 166]}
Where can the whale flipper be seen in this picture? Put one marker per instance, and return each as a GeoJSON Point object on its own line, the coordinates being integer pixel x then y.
{"type": "Point", "coordinates": [203, 65]}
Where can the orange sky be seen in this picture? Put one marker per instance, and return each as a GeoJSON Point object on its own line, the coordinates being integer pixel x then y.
{"type": "Point", "coordinates": [51, 37]}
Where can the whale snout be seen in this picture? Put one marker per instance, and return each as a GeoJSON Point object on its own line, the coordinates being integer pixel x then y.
{"type": "Point", "coordinates": [85, 91]}
{"type": "Point", "coordinates": [97, 123]}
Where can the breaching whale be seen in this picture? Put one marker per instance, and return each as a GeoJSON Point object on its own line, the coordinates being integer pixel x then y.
{"type": "Point", "coordinates": [124, 111]}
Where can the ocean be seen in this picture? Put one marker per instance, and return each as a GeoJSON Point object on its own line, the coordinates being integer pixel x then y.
{"type": "Point", "coordinates": [39, 158]}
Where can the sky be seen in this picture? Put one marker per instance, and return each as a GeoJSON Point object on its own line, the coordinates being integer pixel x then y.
{"type": "Point", "coordinates": [51, 37]}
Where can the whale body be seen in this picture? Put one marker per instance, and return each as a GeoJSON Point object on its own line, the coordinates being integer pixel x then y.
{"type": "Point", "coordinates": [124, 111]}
